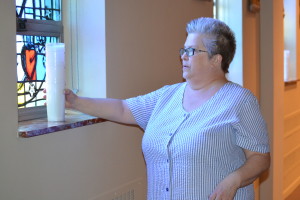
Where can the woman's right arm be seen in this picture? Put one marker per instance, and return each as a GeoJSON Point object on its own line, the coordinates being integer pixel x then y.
{"type": "Point", "coordinates": [110, 109]}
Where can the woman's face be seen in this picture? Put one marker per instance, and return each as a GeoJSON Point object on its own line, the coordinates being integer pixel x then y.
{"type": "Point", "coordinates": [197, 66]}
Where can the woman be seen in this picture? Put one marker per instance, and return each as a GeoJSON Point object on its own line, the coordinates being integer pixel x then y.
{"type": "Point", "coordinates": [204, 138]}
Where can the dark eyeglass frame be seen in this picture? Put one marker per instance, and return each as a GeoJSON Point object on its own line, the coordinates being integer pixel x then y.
{"type": "Point", "coordinates": [189, 51]}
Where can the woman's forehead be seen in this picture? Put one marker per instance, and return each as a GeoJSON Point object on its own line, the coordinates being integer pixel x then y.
{"type": "Point", "coordinates": [194, 40]}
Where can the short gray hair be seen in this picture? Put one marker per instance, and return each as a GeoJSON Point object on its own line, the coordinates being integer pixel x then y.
{"type": "Point", "coordinates": [218, 38]}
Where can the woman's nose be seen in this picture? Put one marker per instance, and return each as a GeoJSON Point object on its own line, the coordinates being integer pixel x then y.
{"type": "Point", "coordinates": [184, 56]}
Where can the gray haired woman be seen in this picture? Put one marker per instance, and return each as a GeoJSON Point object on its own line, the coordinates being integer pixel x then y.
{"type": "Point", "coordinates": [204, 138]}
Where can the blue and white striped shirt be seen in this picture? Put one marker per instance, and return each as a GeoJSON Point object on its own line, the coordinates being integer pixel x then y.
{"type": "Point", "coordinates": [189, 153]}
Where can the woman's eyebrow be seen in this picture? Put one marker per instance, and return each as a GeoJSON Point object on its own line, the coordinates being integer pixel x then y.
{"type": "Point", "coordinates": [192, 46]}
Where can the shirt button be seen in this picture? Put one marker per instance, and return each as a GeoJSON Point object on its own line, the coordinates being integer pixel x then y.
{"type": "Point", "coordinates": [170, 134]}
{"type": "Point", "coordinates": [186, 115]}
{"type": "Point", "coordinates": [167, 189]}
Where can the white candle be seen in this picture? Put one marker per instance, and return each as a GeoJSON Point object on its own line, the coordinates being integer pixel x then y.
{"type": "Point", "coordinates": [55, 81]}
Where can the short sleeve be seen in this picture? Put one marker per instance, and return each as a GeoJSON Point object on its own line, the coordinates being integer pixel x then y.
{"type": "Point", "coordinates": [142, 106]}
{"type": "Point", "coordinates": [251, 129]}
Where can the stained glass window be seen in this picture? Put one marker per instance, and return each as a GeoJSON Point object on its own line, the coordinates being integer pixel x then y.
{"type": "Point", "coordinates": [38, 23]}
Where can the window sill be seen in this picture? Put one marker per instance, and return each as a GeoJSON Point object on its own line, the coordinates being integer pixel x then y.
{"type": "Point", "coordinates": [36, 127]}
{"type": "Point", "coordinates": [292, 82]}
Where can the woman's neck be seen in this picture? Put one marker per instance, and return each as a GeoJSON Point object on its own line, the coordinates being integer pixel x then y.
{"type": "Point", "coordinates": [206, 85]}
{"type": "Point", "coordinates": [196, 95]}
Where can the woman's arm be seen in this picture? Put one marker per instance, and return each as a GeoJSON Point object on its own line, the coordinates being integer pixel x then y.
{"type": "Point", "coordinates": [255, 164]}
{"type": "Point", "coordinates": [110, 109]}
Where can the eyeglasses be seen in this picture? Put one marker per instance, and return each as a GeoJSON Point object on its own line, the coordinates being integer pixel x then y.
{"type": "Point", "coordinates": [189, 51]}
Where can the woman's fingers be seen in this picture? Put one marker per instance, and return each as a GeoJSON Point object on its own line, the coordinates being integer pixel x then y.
{"type": "Point", "coordinates": [69, 95]}
{"type": "Point", "coordinates": [67, 91]}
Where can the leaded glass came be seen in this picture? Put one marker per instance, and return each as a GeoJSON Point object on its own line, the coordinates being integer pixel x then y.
{"type": "Point", "coordinates": [39, 9]}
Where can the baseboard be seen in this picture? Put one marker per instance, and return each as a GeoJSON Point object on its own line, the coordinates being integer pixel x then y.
{"type": "Point", "coordinates": [133, 190]}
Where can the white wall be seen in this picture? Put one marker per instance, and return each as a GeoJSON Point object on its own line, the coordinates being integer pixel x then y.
{"type": "Point", "coordinates": [143, 38]}
{"type": "Point", "coordinates": [291, 26]}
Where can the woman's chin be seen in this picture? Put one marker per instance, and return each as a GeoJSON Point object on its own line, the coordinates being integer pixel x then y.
{"type": "Point", "coordinates": [185, 75]}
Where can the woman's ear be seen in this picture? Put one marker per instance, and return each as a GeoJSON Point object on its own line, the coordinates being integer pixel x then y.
{"type": "Point", "coordinates": [217, 60]}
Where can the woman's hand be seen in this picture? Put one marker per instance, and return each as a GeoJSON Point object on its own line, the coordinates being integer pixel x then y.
{"type": "Point", "coordinates": [256, 163]}
{"type": "Point", "coordinates": [70, 98]}
{"type": "Point", "coordinates": [226, 189]}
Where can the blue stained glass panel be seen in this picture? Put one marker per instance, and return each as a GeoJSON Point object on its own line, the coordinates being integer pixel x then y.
{"type": "Point", "coordinates": [39, 9]}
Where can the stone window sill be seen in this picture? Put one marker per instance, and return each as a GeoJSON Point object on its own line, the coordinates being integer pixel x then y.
{"type": "Point", "coordinates": [36, 127]}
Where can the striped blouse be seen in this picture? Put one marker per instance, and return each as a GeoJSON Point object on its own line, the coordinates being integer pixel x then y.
{"type": "Point", "coordinates": [188, 153]}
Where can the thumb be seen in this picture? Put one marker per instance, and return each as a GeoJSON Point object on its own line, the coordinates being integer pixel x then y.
{"type": "Point", "coordinates": [67, 91]}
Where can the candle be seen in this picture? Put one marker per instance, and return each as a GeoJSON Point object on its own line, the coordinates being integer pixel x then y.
{"type": "Point", "coordinates": [55, 81]}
